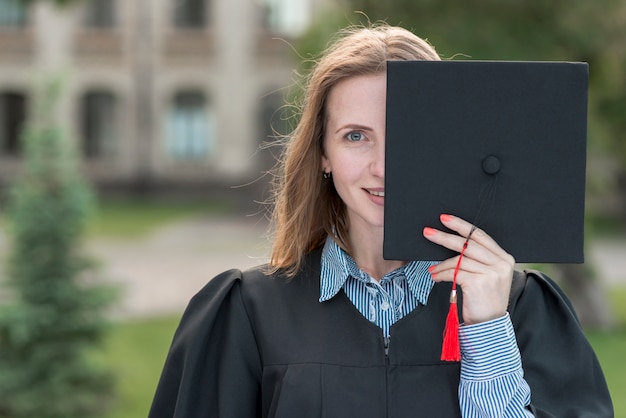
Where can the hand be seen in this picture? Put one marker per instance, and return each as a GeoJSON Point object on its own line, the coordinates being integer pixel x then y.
{"type": "Point", "coordinates": [485, 273]}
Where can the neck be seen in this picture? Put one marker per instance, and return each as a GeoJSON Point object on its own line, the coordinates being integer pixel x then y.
{"type": "Point", "coordinates": [367, 251]}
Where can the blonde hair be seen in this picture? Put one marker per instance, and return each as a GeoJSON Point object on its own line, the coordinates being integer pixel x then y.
{"type": "Point", "coordinates": [306, 207]}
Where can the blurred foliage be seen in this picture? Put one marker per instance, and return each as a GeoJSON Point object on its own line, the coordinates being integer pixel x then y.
{"type": "Point", "coordinates": [52, 318]}
{"type": "Point", "coordinates": [534, 30]}
{"type": "Point", "coordinates": [60, 3]}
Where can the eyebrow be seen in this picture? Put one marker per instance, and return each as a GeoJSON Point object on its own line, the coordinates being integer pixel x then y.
{"type": "Point", "coordinates": [354, 127]}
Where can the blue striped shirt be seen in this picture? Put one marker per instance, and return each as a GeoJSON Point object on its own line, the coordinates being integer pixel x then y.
{"type": "Point", "coordinates": [492, 382]}
{"type": "Point", "coordinates": [384, 302]}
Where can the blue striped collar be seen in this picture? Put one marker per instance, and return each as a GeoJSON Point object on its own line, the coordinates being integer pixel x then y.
{"type": "Point", "coordinates": [337, 266]}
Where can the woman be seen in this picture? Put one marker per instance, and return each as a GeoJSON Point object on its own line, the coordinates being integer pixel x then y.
{"type": "Point", "coordinates": [330, 328]}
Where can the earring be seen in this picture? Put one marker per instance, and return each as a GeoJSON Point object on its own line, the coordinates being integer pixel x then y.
{"type": "Point", "coordinates": [326, 175]}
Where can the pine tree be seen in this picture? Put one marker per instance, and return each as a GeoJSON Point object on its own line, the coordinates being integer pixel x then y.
{"type": "Point", "coordinates": [52, 319]}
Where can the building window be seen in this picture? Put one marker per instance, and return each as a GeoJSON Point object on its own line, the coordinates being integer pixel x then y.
{"type": "Point", "coordinates": [12, 119]}
{"type": "Point", "coordinates": [286, 17]}
{"type": "Point", "coordinates": [190, 126]}
{"type": "Point", "coordinates": [12, 13]}
{"type": "Point", "coordinates": [99, 14]}
{"type": "Point", "coordinates": [99, 123]}
{"type": "Point", "coordinates": [190, 14]}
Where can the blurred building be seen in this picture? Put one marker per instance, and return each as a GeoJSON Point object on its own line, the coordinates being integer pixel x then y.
{"type": "Point", "coordinates": [157, 93]}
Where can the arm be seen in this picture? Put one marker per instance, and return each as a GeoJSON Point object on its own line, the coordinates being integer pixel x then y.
{"type": "Point", "coordinates": [492, 380]}
{"type": "Point", "coordinates": [213, 368]}
{"type": "Point", "coordinates": [559, 363]}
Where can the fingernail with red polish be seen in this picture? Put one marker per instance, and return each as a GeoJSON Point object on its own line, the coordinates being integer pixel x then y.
{"type": "Point", "coordinates": [431, 268]}
{"type": "Point", "coordinates": [429, 232]}
{"type": "Point", "coordinates": [445, 217]}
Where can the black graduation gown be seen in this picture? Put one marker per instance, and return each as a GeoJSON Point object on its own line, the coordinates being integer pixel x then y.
{"type": "Point", "coordinates": [250, 345]}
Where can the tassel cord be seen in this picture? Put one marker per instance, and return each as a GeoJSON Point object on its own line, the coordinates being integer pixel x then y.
{"type": "Point", "coordinates": [451, 348]}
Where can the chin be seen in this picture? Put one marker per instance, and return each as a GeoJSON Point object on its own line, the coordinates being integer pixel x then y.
{"type": "Point", "coordinates": [377, 223]}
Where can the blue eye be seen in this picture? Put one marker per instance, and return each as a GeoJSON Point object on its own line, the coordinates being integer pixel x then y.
{"type": "Point", "coordinates": [355, 136]}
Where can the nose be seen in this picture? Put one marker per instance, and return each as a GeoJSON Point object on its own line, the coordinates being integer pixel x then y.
{"type": "Point", "coordinates": [378, 159]}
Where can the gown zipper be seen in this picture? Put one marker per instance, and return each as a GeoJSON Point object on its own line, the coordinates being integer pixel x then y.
{"type": "Point", "coordinates": [386, 342]}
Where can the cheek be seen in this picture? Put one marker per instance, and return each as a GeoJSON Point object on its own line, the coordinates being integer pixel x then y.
{"type": "Point", "coordinates": [348, 164]}
{"type": "Point", "coordinates": [346, 173]}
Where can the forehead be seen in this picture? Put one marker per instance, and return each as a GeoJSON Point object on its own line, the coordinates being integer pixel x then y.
{"type": "Point", "coordinates": [359, 99]}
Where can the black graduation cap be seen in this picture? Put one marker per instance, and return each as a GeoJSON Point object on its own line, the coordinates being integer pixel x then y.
{"type": "Point", "coordinates": [501, 144]}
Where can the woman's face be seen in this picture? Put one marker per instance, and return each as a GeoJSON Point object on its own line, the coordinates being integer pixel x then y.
{"type": "Point", "coordinates": [354, 147]}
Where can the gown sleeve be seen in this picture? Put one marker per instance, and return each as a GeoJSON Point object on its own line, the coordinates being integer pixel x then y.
{"type": "Point", "coordinates": [213, 368]}
{"type": "Point", "coordinates": [559, 364]}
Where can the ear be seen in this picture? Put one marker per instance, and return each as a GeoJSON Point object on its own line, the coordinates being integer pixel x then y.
{"type": "Point", "coordinates": [325, 164]}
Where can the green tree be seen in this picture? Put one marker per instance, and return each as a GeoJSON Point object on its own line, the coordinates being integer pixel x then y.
{"type": "Point", "coordinates": [51, 321]}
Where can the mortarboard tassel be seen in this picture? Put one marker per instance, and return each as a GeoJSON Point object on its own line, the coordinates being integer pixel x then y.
{"type": "Point", "coordinates": [451, 347]}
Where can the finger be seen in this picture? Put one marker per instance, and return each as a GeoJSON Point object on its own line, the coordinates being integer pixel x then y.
{"type": "Point", "coordinates": [470, 268]}
{"type": "Point", "coordinates": [467, 264]}
{"type": "Point", "coordinates": [464, 228]}
{"type": "Point", "coordinates": [448, 276]}
{"type": "Point", "coordinates": [455, 243]}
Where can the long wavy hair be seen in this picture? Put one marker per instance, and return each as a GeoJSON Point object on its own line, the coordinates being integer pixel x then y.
{"type": "Point", "coordinates": [307, 207]}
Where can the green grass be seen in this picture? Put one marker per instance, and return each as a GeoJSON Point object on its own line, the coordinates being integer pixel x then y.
{"type": "Point", "coordinates": [136, 218]}
{"type": "Point", "coordinates": [611, 350]}
{"type": "Point", "coordinates": [617, 299]}
{"type": "Point", "coordinates": [136, 352]}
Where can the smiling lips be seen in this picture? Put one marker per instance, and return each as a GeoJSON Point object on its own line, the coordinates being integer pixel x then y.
{"type": "Point", "coordinates": [379, 193]}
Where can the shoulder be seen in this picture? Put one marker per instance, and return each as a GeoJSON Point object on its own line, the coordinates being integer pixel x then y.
{"type": "Point", "coordinates": [559, 363]}
{"type": "Point", "coordinates": [531, 288]}
{"type": "Point", "coordinates": [260, 283]}
{"type": "Point", "coordinates": [264, 277]}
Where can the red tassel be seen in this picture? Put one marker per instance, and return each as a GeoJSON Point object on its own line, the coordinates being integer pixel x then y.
{"type": "Point", "coordinates": [451, 348]}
